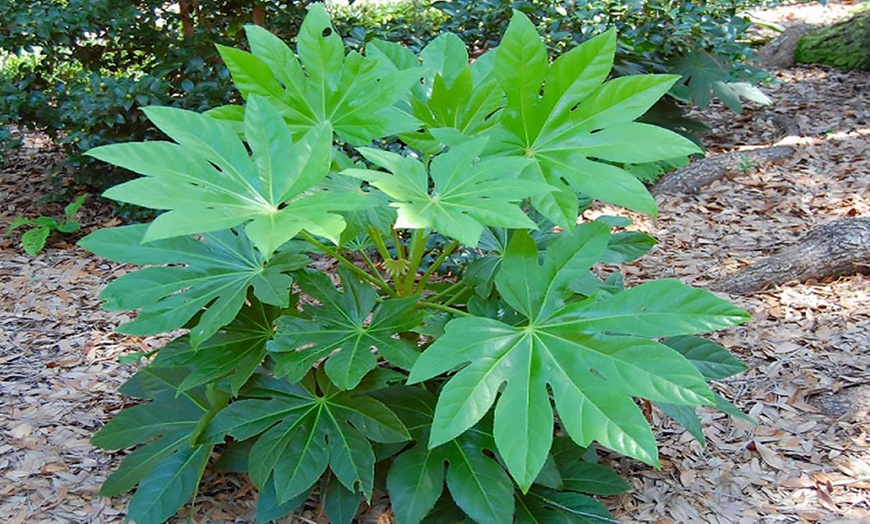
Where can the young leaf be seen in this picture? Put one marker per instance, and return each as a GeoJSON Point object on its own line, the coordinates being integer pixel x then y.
{"type": "Point", "coordinates": [469, 192]}
{"type": "Point", "coordinates": [34, 240]}
{"type": "Point", "coordinates": [454, 95]}
{"type": "Point", "coordinates": [570, 123]}
{"type": "Point", "coordinates": [351, 92]}
{"type": "Point", "coordinates": [214, 273]}
{"type": "Point", "coordinates": [345, 329]}
{"type": "Point", "coordinates": [208, 181]}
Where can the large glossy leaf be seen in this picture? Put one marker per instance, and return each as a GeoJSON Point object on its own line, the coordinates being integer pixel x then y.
{"type": "Point", "coordinates": [346, 327]}
{"type": "Point", "coordinates": [209, 182]}
{"type": "Point", "coordinates": [477, 483]}
{"type": "Point", "coordinates": [168, 486]}
{"type": "Point", "coordinates": [593, 365]}
{"type": "Point", "coordinates": [236, 352]}
{"type": "Point", "coordinates": [322, 85]}
{"type": "Point", "coordinates": [168, 466]}
{"type": "Point", "coordinates": [566, 117]}
{"type": "Point", "coordinates": [211, 276]}
{"type": "Point", "coordinates": [469, 192]}
{"type": "Point", "coordinates": [542, 505]}
{"type": "Point", "coordinates": [304, 429]}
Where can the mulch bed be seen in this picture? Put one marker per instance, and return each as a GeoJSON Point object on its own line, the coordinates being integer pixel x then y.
{"type": "Point", "coordinates": [807, 344]}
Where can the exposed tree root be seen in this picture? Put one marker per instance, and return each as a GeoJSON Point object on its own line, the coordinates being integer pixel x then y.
{"type": "Point", "coordinates": [841, 247]}
{"type": "Point", "coordinates": [691, 178]}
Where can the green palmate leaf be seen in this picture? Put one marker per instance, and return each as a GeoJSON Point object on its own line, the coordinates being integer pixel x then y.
{"type": "Point", "coordinates": [686, 417]}
{"type": "Point", "coordinates": [454, 95]}
{"type": "Point", "coordinates": [594, 363]}
{"type": "Point", "coordinates": [477, 483]}
{"type": "Point", "coordinates": [170, 423]}
{"type": "Point", "coordinates": [345, 328]}
{"type": "Point", "coordinates": [268, 507]}
{"type": "Point", "coordinates": [542, 505]}
{"type": "Point", "coordinates": [340, 503]}
{"type": "Point", "coordinates": [209, 182]}
{"type": "Point", "coordinates": [577, 120]}
{"type": "Point", "coordinates": [305, 428]}
{"type": "Point", "coordinates": [595, 479]}
{"type": "Point", "coordinates": [711, 359]}
{"type": "Point", "coordinates": [237, 351]}
{"type": "Point", "coordinates": [627, 246]}
{"type": "Point", "coordinates": [168, 486]}
{"type": "Point", "coordinates": [351, 92]}
{"type": "Point", "coordinates": [469, 192]}
{"type": "Point", "coordinates": [213, 273]}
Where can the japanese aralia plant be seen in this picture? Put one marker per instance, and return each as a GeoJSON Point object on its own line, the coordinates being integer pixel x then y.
{"type": "Point", "coordinates": [463, 357]}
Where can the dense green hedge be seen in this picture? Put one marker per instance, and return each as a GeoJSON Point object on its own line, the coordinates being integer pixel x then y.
{"type": "Point", "coordinates": [81, 69]}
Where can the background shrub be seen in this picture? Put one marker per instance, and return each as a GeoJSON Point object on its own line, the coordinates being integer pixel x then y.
{"type": "Point", "coordinates": [80, 70]}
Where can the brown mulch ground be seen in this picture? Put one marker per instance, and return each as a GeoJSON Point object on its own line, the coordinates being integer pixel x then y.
{"type": "Point", "coordinates": [807, 344]}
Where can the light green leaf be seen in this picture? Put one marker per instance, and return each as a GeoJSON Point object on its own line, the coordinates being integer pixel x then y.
{"type": "Point", "coordinates": [34, 240]}
{"type": "Point", "coordinates": [469, 192]}
{"type": "Point", "coordinates": [660, 308]}
{"type": "Point", "coordinates": [589, 354]}
{"type": "Point", "coordinates": [214, 273]}
{"type": "Point", "coordinates": [354, 94]}
{"type": "Point", "coordinates": [208, 181]}
{"type": "Point", "coordinates": [555, 114]}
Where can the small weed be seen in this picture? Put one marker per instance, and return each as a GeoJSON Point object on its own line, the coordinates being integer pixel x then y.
{"type": "Point", "coordinates": [34, 239]}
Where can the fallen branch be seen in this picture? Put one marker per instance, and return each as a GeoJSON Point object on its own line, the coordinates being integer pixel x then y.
{"type": "Point", "coordinates": [690, 179]}
{"type": "Point", "coordinates": [841, 247]}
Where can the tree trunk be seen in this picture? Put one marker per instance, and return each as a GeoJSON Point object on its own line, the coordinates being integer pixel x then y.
{"type": "Point", "coordinates": [701, 173]}
{"type": "Point", "coordinates": [845, 45]}
{"type": "Point", "coordinates": [841, 247]}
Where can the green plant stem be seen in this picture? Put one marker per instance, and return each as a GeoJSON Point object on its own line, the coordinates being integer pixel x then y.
{"type": "Point", "coordinates": [447, 309]}
{"type": "Point", "coordinates": [377, 281]}
{"type": "Point", "coordinates": [437, 296]}
{"type": "Point", "coordinates": [457, 296]}
{"type": "Point", "coordinates": [435, 265]}
{"type": "Point", "coordinates": [378, 239]}
{"type": "Point", "coordinates": [400, 248]}
{"type": "Point", "coordinates": [371, 265]}
{"type": "Point", "coordinates": [417, 250]}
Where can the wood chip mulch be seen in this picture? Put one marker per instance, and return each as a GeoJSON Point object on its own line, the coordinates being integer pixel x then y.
{"type": "Point", "coordinates": [807, 344]}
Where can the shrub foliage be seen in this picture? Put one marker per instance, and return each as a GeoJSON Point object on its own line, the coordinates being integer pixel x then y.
{"type": "Point", "coordinates": [475, 393]}
{"type": "Point", "coordinates": [81, 70]}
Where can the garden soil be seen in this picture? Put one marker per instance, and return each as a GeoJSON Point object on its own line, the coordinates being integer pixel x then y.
{"type": "Point", "coordinates": [807, 345]}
